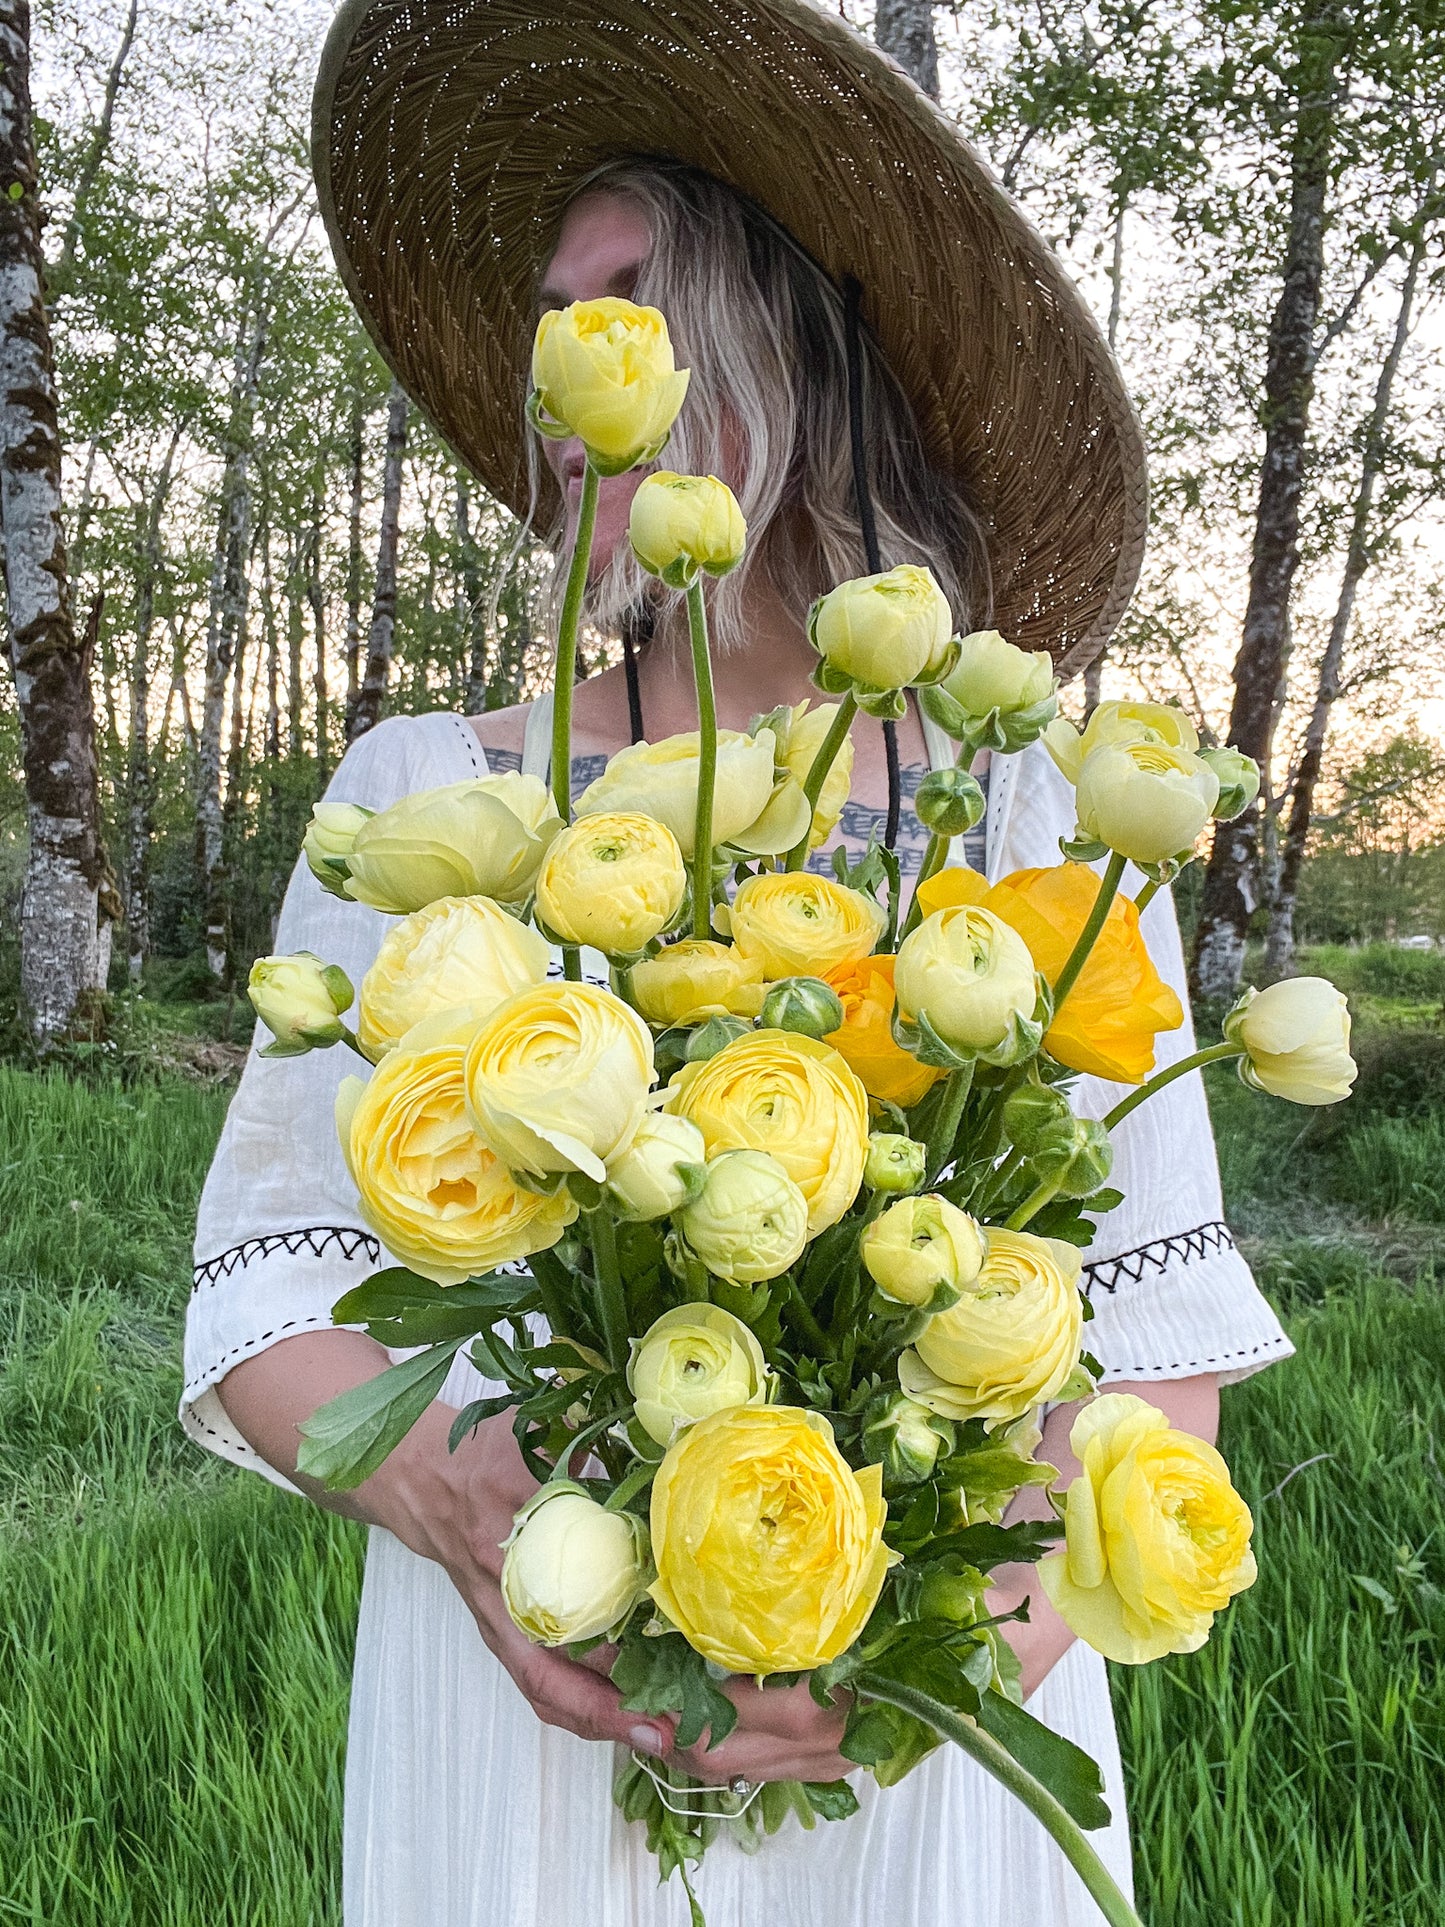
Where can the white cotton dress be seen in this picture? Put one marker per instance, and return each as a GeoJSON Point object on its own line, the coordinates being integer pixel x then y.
{"type": "Point", "coordinates": [462, 1809]}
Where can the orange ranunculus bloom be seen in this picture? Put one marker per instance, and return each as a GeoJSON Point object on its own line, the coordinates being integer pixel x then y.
{"type": "Point", "coordinates": [1111, 1016]}
{"type": "Point", "coordinates": [865, 1041]}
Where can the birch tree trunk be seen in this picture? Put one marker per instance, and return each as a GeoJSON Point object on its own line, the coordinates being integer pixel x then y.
{"type": "Point", "coordinates": [69, 899]}
{"type": "Point", "coordinates": [367, 711]}
{"type": "Point", "coordinates": [1280, 937]}
{"type": "Point", "coordinates": [1231, 885]}
{"type": "Point", "coordinates": [904, 30]}
{"type": "Point", "coordinates": [472, 623]}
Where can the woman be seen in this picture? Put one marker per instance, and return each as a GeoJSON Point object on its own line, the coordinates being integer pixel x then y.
{"type": "Point", "coordinates": [479, 1766]}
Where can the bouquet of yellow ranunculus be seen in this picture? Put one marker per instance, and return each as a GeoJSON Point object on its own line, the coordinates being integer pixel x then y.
{"type": "Point", "coordinates": [768, 1228]}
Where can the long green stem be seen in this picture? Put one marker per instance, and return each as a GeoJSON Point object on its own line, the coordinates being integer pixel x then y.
{"type": "Point", "coordinates": [818, 773]}
{"type": "Point", "coordinates": [611, 1295]}
{"type": "Point", "coordinates": [946, 1119]}
{"type": "Point", "coordinates": [994, 1185]}
{"type": "Point", "coordinates": [1147, 895]}
{"type": "Point", "coordinates": [1031, 1206]}
{"type": "Point", "coordinates": [1089, 935]}
{"type": "Point", "coordinates": [567, 646]}
{"type": "Point", "coordinates": [998, 1761]}
{"type": "Point", "coordinates": [706, 763]}
{"type": "Point", "coordinates": [799, 1314]}
{"type": "Point", "coordinates": [1214, 1055]}
{"type": "Point", "coordinates": [935, 856]}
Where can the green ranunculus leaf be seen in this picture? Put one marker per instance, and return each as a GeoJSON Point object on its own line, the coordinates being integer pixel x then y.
{"type": "Point", "coordinates": [471, 1416]}
{"type": "Point", "coordinates": [831, 1799]}
{"type": "Point", "coordinates": [986, 1546]}
{"type": "Point", "coordinates": [666, 1675]}
{"type": "Point", "coordinates": [344, 1442]}
{"type": "Point", "coordinates": [401, 1309]}
{"type": "Point", "coordinates": [1056, 1763]}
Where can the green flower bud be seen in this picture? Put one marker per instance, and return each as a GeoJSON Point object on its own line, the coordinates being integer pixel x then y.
{"type": "Point", "coordinates": [894, 1163]}
{"type": "Point", "coordinates": [1079, 1164]}
{"type": "Point", "coordinates": [905, 1438]}
{"type": "Point", "coordinates": [300, 1000]}
{"type": "Point", "coordinates": [954, 1596]}
{"type": "Point", "coordinates": [1036, 1116]}
{"type": "Point", "coordinates": [949, 802]}
{"type": "Point", "coordinates": [715, 1035]}
{"type": "Point", "coordinates": [803, 1004]}
{"type": "Point", "coordinates": [1238, 781]}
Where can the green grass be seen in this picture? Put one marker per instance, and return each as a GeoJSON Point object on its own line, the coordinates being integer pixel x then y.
{"type": "Point", "coordinates": [175, 1638]}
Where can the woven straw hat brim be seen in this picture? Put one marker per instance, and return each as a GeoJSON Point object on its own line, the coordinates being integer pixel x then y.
{"type": "Point", "coordinates": [449, 134]}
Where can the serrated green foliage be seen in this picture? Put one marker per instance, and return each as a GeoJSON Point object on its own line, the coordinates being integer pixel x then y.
{"type": "Point", "coordinates": [661, 1673]}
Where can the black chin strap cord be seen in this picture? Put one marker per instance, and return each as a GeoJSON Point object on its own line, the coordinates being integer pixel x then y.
{"type": "Point", "coordinates": [853, 333]}
{"type": "Point", "coordinates": [636, 629]}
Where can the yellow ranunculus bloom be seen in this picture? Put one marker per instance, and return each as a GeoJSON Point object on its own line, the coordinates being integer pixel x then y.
{"type": "Point", "coordinates": [769, 1547]}
{"type": "Point", "coordinates": [660, 779]}
{"type": "Point", "coordinates": [604, 371]}
{"type": "Point", "coordinates": [573, 1570]}
{"type": "Point", "coordinates": [969, 974]}
{"type": "Point", "coordinates": [788, 1095]}
{"type": "Point", "coordinates": [993, 674]}
{"type": "Point", "coordinates": [1119, 1001]}
{"type": "Point", "coordinates": [800, 925]}
{"type": "Point", "coordinates": [865, 1040]}
{"type": "Point", "coordinates": [682, 523]}
{"type": "Point", "coordinates": [749, 1222]}
{"type": "Point", "coordinates": [805, 738]}
{"type": "Point", "coordinates": [300, 1000]}
{"type": "Point", "coordinates": [615, 880]}
{"type": "Point", "coordinates": [1297, 1038]}
{"type": "Point", "coordinates": [1113, 723]}
{"type": "Point", "coordinates": [459, 950]}
{"type": "Point", "coordinates": [690, 1363]}
{"type": "Point", "coordinates": [557, 1079]}
{"type": "Point", "coordinates": [643, 1183]}
{"type": "Point", "coordinates": [1145, 800]}
{"type": "Point", "coordinates": [920, 1245]}
{"type": "Point", "coordinates": [483, 838]}
{"type": "Point", "coordinates": [1010, 1342]}
{"type": "Point", "coordinates": [428, 1187]}
{"type": "Point", "coordinates": [689, 982]}
{"type": "Point", "coordinates": [884, 631]}
{"type": "Point", "coordinates": [1156, 1537]}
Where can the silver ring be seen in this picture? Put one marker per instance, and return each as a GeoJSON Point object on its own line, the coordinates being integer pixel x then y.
{"type": "Point", "coordinates": [740, 1787]}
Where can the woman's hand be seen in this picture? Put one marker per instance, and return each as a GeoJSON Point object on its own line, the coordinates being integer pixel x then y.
{"type": "Point", "coordinates": [782, 1734]}
{"type": "Point", "coordinates": [455, 1508]}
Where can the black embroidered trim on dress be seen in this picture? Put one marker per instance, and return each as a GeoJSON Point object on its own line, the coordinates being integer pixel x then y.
{"type": "Point", "coordinates": [316, 1240]}
{"type": "Point", "coordinates": [1158, 1256]}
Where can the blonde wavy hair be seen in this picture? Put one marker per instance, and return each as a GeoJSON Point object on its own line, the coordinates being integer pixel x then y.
{"type": "Point", "coordinates": [762, 328]}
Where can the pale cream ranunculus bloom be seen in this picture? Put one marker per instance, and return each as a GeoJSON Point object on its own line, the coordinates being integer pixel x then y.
{"type": "Point", "coordinates": [693, 1361]}
{"type": "Point", "coordinates": [300, 1000]}
{"type": "Point", "coordinates": [993, 674]}
{"type": "Point", "coordinates": [969, 974]}
{"type": "Point", "coordinates": [485, 837]}
{"type": "Point", "coordinates": [749, 1222]}
{"type": "Point", "coordinates": [458, 951]}
{"type": "Point", "coordinates": [644, 1182]}
{"type": "Point", "coordinates": [604, 371]}
{"type": "Point", "coordinates": [1296, 1036]}
{"type": "Point", "coordinates": [792, 1097]}
{"type": "Point", "coordinates": [809, 725]}
{"type": "Point", "coordinates": [884, 631]}
{"type": "Point", "coordinates": [615, 880]}
{"type": "Point", "coordinates": [921, 1247]}
{"type": "Point", "coordinates": [660, 780]}
{"type": "Point", "coordinates": [1157, 1541]}
{"type": "Point", "coordinates": [436, 1196]}
{"type": "Point", "coordinates": [1118, 722]}
{"type": "Point", "coordinates": [1146, 801]}
{"type": "Point", "coordinates": [327, 843]}
{"type": "Point", "coordinates": [680, 524]}
{"type": "Point", "coordinates": [572, 1569]}
{"type": "Point", "coordinates": [557, 1079]}
{"type": "Point", "coordinates": [769, 1546]}
{"type": "Point", "coordinates": [1012, 1339]}
{"type": "Point", "coordinates": [691, 981]}
{"type": "Point", "coordinates": [796, 924]}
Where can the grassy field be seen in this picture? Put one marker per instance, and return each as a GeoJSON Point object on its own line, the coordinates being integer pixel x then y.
{"type": "Point", "coordinates": [174, 1642]}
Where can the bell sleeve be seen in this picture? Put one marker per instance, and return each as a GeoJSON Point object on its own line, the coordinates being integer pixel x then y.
{"type": "Point", "coordinates": [1171, 1293]}
{"type": "Point", "coordinates": [278, 1234]}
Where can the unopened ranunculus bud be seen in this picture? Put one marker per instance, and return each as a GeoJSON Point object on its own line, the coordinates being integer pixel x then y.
{"type": "Point", "coordinates": [572, 1569]}
{"type": "Point", "coordinates": [715, 1035]}
{"type": "Point", "coordinates": [971, 976]}
{"type": "Point", "coordinates": [1078, 1161]}
{"type": "Point", "coordinates": [1004, 697]}
{"type": "Point", "coordinates": [1036, 1116]}
{"type": "Point", "coordinates": [693, 1361]}
{"type": "Point", "coordinates": [1296, 1036]}
{"type": "Point", "coordinates": [922, 1251]}
{"type": "Point", "coordinates": [905, 1438]}
{"type": "Point", "coordinates": [327, 844]}
{"type": "Point", "coordinates": [882, 632]}
{"type": "Point", "coordinates": [803, 1004]}
{"type": "Point", "coordinates": [894, 1163]}
{"type": "Point", "coordinates": [949, 802]}
{"type": "Point", "coordinates": [749, 1221]}
{"type": "Point", "coordinates": [650, 1178]}
{"type": "Point", "coordinates": [1238, 781]}
{"type": "Point", "coordinates": [680, 524]}
{"type": "Point", "coordinates": [953, 1596]}
{"type": "Point", "coordinates": [300, 1000]}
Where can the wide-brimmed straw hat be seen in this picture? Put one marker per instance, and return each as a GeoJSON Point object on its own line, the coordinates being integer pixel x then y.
{"type": "Point", "coordinates": [449, 134]}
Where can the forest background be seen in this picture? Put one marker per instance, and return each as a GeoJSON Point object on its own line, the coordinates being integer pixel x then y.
{"type": "Point", "coordinates": [268, 548]}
